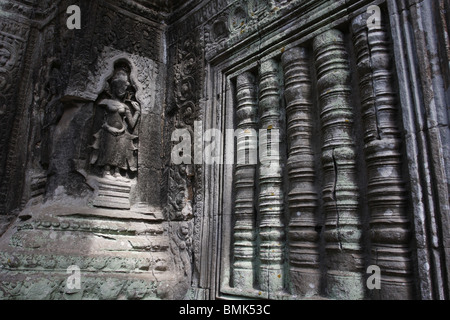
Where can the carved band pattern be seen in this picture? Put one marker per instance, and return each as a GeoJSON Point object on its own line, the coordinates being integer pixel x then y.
{"type": "Point", "coordinates": [271, 196]}
{"type": "Point", "coordinates": [244, 230]}
{"type": "Point", "coordinates": [389, 224]}
{"type": "Point", "coordinates": [340, 190]}
{"type": "Point", "coordinates": [303, 238]}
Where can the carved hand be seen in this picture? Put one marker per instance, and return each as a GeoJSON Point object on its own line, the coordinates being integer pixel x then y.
{"type": "Point", "coordinates": [136, 106]}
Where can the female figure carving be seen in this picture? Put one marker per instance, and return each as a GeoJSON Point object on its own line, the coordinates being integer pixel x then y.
{"type": "Point", "coordinates": [114, 145]}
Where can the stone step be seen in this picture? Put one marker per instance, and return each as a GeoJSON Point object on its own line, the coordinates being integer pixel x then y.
{"type": "Point", "coordinates": [111, 215]}
{"type": "Point", "coordinates": [117, 182]}
{"type": "Point", "coordinates": [105, 188]}
{"type": "Point", "coordinates": [120, 253]}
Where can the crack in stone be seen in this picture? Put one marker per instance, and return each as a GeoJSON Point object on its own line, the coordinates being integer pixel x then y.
{"type": "Point", "coordinates": [375, 107]}
{"type": "Point", "coordinates": [338, 231]}
{"type": "Point", "coordinates": [105, 237]}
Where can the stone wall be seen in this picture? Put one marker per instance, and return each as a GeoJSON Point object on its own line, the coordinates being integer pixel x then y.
{"type": "Point", "coordinates": [347, 164]}
{"type": "Point", "coordinates": [106, 225]}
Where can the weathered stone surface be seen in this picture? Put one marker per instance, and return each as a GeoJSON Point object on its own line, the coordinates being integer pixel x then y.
{"type": "Point", "coordinates": [389, 225]}
{"type": "Point", "coordinates": [104, 244]}
{"type": "Point", "coordinates": [304, 235]}
{"type": "Point", "coordinates": [360, 102]}
{"type": "Point", "coordinates": [340, 189]}
{"type": "Point", "coordinates": [271, 202]}
{"type": "Point", "coordinates": [244, 251]}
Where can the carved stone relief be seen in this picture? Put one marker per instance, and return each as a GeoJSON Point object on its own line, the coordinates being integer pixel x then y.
{"type": "Point", "coordinates": [115, 146]}
{"type": "Point", "coordinates": [13, 37]}
{"type": "Point", "coordinates": [303, 197]}
{"type": "Point", "coordinates": [358, 115]}
{"type": "Point", "coordinates": [325, 257]}
{"type": "Point", "coordinates": [99, 169]}
{"type": "Point", "coordinates": [185, 185]}
{"type": "Point", "coordinates": [244, 250]}
{"type": "Point", "coordinates": [184, 110]}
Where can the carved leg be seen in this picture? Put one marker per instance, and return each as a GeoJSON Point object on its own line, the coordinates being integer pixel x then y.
{"type": "Point", "coordinates": [107, 171]}
{"type": "Point", "coordinates": [116, 172]}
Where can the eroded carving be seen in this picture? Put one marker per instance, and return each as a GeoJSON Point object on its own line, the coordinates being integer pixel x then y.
{"type": "Point", "coordinates": [245, 178]}
{"type": "Point", "coordinates": [389, 223]}
{"type": "Point", "coordinates": [271, 195]}
{"type": "Point", "coordinates": [340, 189]}
{"type": "Point", "coordinates": [180, 198]}
{"type": "Point", "coordinates": [182, 246]}
{"type": "Point", "coordinates": [303, 199]}
{"type": "Point", "coordinates": [115, 145]}
{"type": "Point", "coordinates": [13, 37]}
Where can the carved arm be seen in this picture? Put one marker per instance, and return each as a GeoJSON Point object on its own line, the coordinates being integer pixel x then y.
{"type": "Point", "coordinates": [132, 119]}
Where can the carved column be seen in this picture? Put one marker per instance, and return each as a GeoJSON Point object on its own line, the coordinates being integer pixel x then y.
{"type": "Point", "coordinates": [244, 230]}
{"type": "Point", "coordinates": [303, 238]}
{"type": "Point", "coordinates": [390, 233]}
{"type": "Point", "coordinates": [340, 190]}
{"type": "Point", "coordinates": [270, 180]}
{"type": "Point", "coordinates": [16, 56]}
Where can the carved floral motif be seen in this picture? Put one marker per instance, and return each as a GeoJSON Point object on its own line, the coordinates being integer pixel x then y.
{"type": "Point", "coordinates": [271, 195]}
{"type": "Point", "coordinates": [13, 36]}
